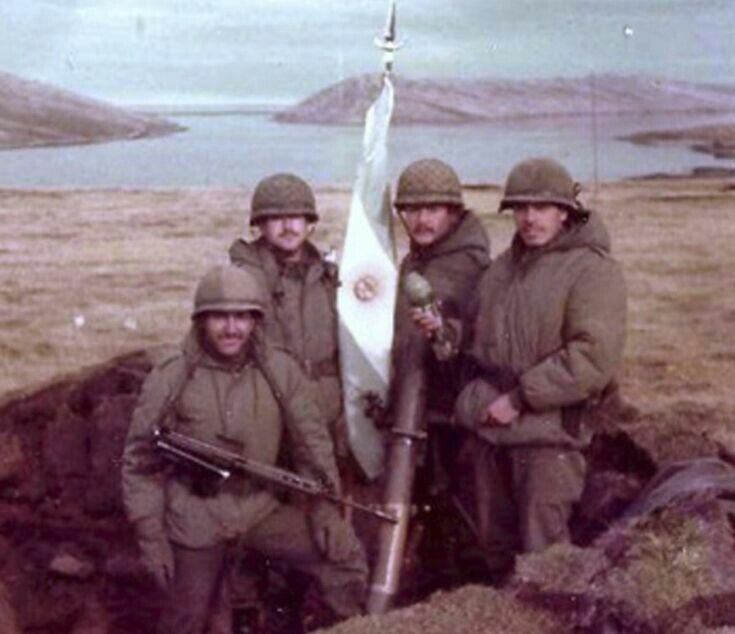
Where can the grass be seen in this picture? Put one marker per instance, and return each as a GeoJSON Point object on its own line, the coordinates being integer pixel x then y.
{"type": "Point", "coordinates": [125, 262]}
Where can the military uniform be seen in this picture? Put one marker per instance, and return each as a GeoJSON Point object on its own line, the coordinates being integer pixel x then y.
{"type": "Point", "coordinates": [550, 332]}
{"type": "Point", "coordinates": [239, 408]}
{"type": "Point", "coordinates": [452, 265]}
{"type": "Point", "coordinates": [301, 315]}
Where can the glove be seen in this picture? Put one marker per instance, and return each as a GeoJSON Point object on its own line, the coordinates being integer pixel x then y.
{"type": "Point", "coordinates": [333, 535]}
{"type": "Point", "coordinates": [157, 556]}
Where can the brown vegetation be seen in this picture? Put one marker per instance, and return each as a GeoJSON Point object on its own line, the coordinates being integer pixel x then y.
{"type": "Point", "coordinates": [88, 275]}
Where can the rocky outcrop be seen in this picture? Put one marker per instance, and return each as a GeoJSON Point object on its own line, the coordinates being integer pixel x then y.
{"type": "Point", "coordinates": [715, 140]}
{"type": "Point", "coordinates": [454, 101]}
{"type": "Point", "coordinates": [35, 114]}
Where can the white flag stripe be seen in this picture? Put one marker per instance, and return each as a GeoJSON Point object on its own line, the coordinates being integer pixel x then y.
{"type": "Point", "coordinates": [366, 296]}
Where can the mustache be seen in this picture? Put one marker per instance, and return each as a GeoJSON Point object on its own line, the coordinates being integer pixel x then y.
{"type": "Point", "coordinates": [288, 233]}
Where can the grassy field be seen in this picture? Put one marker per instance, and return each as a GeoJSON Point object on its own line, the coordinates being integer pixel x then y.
{"type": "Point", "coordinates": [85, 275]}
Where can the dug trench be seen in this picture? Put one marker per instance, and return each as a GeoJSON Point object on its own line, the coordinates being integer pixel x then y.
{"type": "Point", "coordinates": [69, 565]}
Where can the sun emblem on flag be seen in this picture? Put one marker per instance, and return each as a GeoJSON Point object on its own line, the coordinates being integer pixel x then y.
{"type": "Point", "coordinates": [366, 287]}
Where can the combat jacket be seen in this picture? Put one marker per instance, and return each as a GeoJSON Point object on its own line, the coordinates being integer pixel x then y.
{"type": "Point", "coordinates": [302, 316]}
{"type": "Point", "coordinates": [453, 267]}
{"type": "Point", "coordinates": [233, 408]}
{"type": "Point", "coordinates": [554, 319]}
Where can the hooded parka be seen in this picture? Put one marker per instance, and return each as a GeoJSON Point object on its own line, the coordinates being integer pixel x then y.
{"type": "Point", "coordinates": [301, 316]}
{"type": "Point", "coordinates": [219, 404]}
{"type": "Point", "coordinates": [554, 319]}
{"type": "Point", "coordinates": [453, 267]}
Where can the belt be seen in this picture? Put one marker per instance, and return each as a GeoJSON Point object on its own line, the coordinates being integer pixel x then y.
{"type": "Point", "coordinates": [319, 369]}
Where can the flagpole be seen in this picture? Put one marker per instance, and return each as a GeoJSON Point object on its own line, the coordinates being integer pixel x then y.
{"type": "Point", "coordinates": [368, 276]}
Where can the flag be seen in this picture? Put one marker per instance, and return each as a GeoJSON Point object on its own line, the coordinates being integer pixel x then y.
{"type": "Point", "coordinates": [366, 297]}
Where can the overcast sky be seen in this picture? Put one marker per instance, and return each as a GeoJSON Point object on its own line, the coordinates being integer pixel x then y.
{"type": "Point", "coordinates": [224, 51]}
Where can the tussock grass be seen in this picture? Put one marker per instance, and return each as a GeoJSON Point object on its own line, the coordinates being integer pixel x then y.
{"type": "Point", "coordinates": [127, 262]}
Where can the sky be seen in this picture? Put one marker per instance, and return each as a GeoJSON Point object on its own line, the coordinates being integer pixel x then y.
{"type": "Point", "coordinates": [280, 51]}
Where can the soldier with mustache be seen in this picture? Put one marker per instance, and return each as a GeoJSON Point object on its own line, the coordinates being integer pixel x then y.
{"type": "Point", "coordinates": [229, 387]}
{"type": "Point", "coordinates": [301, 312]}
{"type": "Point", "coordinates": [450, 248]}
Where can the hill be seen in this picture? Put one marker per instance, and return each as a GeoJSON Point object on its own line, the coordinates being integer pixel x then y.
{"type": "Point", "coordinates": [36, 114]}
{"type": "Point", "coordinates": [452, 101]}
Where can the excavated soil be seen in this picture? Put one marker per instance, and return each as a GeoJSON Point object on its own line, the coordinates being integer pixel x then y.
{"type": "Point", "coordinates": [92, 282]}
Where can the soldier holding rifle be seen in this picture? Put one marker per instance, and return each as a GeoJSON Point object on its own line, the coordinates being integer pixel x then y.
{"type": "Point", "coordinates": [548, 339]}
{"type": "Point", "coordinates": [229, 388]}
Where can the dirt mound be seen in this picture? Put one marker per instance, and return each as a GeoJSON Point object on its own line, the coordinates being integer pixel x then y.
{"type": "Point", "coordinates": [69, 561]}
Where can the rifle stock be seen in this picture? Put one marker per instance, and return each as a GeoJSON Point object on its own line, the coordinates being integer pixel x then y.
{"type": "Point", "coordinates": [222, 463]}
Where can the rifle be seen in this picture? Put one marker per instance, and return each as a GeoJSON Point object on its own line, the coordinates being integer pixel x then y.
{"type": "Point", "coordinates": [221, 464]}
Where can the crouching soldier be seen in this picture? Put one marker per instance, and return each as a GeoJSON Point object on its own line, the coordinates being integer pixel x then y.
{"type": "Point", "coordinates": [230, 389]}
{"type": "Point", "coordinates": [548, 339]}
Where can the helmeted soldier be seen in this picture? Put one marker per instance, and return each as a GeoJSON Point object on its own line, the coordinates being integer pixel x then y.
{"type": "Point", "coordinates": [547, 341]}
{"type": "Point", "coordinates": [301, 313]}
{"type": "Point", "coordinates": [449, 248]}
{"type": "Point", "coordinates": [228, 387]}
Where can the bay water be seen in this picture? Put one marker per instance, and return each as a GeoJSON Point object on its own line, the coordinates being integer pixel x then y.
{"type": "Point", "coordinates": [239, 149]}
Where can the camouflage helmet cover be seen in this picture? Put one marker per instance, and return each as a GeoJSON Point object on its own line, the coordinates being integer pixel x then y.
{"type": "Point", "coordinates": [230, 288]}
{"type": "Point", "coordinates": [540, 180]}
{"type": "Point", "coordinates": [282, 195]}
{"type": "Point", "coordinates": [428, 182]}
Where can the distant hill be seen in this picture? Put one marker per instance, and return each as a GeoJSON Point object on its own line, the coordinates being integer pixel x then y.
{"type": "Point", "coordinates": [467, 101]}
{"type": "Point", "coordinates": [36, 114]}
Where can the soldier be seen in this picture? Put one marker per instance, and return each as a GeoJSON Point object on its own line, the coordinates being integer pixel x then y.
{"type": "Point", "coordinates": [301, 312]}
{"type": "Point", "coordinates": [450, 249]}
{"type": "Point", "coordinates": [228, 387]}
{"type": "Point", "coordinates": [547, 340]}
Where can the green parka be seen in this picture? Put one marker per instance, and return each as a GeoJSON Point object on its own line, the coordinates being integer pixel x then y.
{"type": "Point", "coordinates": [231, 408]}
{"type": "Point", "coordinates": [453, 267]}
{"type": "Point", "coordinates": [302, 315]}
{"type": "Point", "coordinates": [554, 318]}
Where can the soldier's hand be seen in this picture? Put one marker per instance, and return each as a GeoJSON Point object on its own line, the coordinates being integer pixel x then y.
{"type": "Point", "coordinates": [332, 534]}
{"type": "Point", "coordinates": [428, 322]}
{"type": "Point", "coordinates": [502, 411]}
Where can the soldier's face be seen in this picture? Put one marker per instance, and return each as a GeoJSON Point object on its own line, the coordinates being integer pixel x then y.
{"type": "Point", "coordinates": [286, 233]}
{"type": "Point", "coordinates": [227, 332]}
{"type": "Point", "coordinates": [538, 223]}
{"type": "Point", "coordinates": [426, 224]}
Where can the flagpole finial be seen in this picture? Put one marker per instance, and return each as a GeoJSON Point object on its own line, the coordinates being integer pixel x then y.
{"type": "Point", "coordinates": [389, 44]}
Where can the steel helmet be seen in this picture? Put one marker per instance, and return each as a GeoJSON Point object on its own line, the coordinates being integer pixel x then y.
{"type": "Point", "coordinates": [282, 195]}
{"type": "Point", "coordinates": [428, 182]}
{"type": "Point", "coordinates": [540, 180]}
{"type": "Point", "coordinates": [230, 288]}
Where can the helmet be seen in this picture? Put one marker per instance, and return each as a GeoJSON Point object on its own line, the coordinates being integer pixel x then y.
{"type": "Point", "coordinates": [428, 181]}
{"type": "Point", "coordinates": [225, 288]}
{"type": "Point", "coordinates": [540, 180]}
{"type": "Point", "coordinates": [282, 195]}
